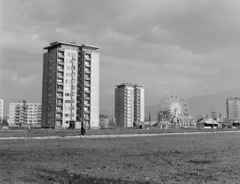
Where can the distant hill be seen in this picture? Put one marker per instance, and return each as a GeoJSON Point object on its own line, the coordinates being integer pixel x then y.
{"type": "Point", "coordinates": [202, 105]}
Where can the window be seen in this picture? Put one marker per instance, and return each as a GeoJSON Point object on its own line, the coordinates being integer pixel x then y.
{"type": "Point", "coordinates": [67, 101]}
{"type": "Point", "coordinates": [50, 68]}
{"type": "Point", "coordinates": [48, 122]}
{"type": "Point", "coordinates": [49, 82]}
{"type": "Point", "coordinates": [48, 115]}
{"type": "Point", "coordinates": [87, 56]}
{"type": "Point", "coordinates": [67, 108]}
{"type": "Point", "coordinates": [68, 81]}
{"type": "Point", "coordinates": [49, 94]}
{"type": "Point", "coordinates": [68, 61]}
{"type": "Point", "coordinates": [67, 94]}
{"type": "Point", "coordinates": [66, 115]}
{"type": "Point", "coordinates": [49, 101]}
{"type": "Point", "coordinates": [50, 62]}
{"type": "Point", "coordinates": [67, 87]}
{"type": "Point", "coordinates": [49, 75]}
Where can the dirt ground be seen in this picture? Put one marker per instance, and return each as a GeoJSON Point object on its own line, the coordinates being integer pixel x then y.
{"type": "Point", "coordinates": [206, 158]}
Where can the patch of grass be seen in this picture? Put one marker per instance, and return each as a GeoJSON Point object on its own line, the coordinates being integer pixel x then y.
{"type": "Point", "coordinates": [209, 158]}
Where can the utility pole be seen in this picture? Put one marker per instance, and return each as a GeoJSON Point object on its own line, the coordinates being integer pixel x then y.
{"type": "Point", "coordinates": [213, 116]}
{"type": "Point", "coordinates": [149, 119]}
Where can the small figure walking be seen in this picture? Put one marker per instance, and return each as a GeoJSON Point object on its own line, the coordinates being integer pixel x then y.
{"type": "Point", "coordinates": [83, 131]}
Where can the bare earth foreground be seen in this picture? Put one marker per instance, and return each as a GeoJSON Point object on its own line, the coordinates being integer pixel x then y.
{"type": "Point", "coordinates": [203, 158]}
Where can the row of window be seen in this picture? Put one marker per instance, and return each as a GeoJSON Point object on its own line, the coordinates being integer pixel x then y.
{"type": "Point", "coordinates": [66, 108]}
{"type": "Point", "coordinates": [71, 55]}
{"type": "Point", "coordinates": [66, 115]}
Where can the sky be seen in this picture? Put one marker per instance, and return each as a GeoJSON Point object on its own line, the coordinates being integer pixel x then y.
{"type": "Point", "coordinates": [169, 46]}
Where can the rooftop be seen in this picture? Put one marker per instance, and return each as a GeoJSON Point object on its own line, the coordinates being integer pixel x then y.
{"type": "Point", "coordinates": [53, 44]}
{"type": "Point", "coordinates": [128, 84]}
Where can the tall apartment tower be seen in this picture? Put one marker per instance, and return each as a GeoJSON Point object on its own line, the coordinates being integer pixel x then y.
{"type": "Point", "coordinates": [233, 108]}
{"type": "Point", "coordinates": [1, 111]}
{"type": "Point", "coordinates": [70, 92]}
{"type": "Point", "coordinates": [129, 104]}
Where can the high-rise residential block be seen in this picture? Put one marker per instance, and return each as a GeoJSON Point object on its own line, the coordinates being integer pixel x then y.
{"type": "Point", "coordinates": [1, 110]}
{"type": "Point", "coordinates": [129, 104]}
{"type": "Point", "coordinates": [23, 113]}
{"type": "Point", "coordinates": [70, 89]}
{"type": "Point", "coordinates": [233, 108]}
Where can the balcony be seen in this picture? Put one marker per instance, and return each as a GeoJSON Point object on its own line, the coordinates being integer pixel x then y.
{"type": "Point", "coordinates": [60, 76]}
{"type": "Point", "coordinates": [59, 82]}
{"type": "Point", "coordinates": [87, 97]}
{"type": "Point", "coordinates": [87, 91]}
{"type": "Point", "coordinates": [60, 69]}
{"type": "Point", "coordinates": [59, 117]}
{"type": "Point", "coordinates": [88, 58]}
{"type": "Point", "coordinates": [60, 89]}
{"type": "Point", "coordinates": [59, 104]}
{"type": "Point", "coordinates": [59, 110]}
{"type": "Point", "coordinates": [61, 49]}
{"type": "Point", "coordinates": [87, 71]}
{"type": "Point", "coordinates": [87, 118]}
{"type": "Point", "coordinates": [59, 96]}
{"type": "Point", "coordinates": [60, 63]}
{"type": "Point", "coordinates": [60, 56]}
{"type": "Point", "coordinates": [87, 104]}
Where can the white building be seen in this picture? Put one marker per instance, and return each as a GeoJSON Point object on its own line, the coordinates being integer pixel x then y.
{"type": "Point", "coordinates": [233, 108]}
{"type": "Point", "coordinates": [23, 113]}
{"type": "Point", "coordinates": [70, 96]}
{"type": "Point", "coordinates": [129, 104]}
{"type": "Point", "coordinates": [1, 110]}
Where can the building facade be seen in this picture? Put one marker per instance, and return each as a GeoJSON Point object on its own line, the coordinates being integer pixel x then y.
{"type": "Point", "coordinates": [1, 111]}
{"type": "Point", "coordinates": [23, 113]}
{"type": "Point", "coordinates": [129, 104]}
{"type": "Point", "coordinates": [70, 92]}
{"type": "Point", "coordinates": [233, 108]}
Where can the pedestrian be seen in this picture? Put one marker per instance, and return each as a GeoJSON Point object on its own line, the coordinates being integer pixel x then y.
{"type": "Point", "coordinates": [83, 131]}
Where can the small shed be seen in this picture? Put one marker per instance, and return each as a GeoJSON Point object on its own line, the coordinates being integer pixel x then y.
{"type": "Point", "coordinates": [139, 124]}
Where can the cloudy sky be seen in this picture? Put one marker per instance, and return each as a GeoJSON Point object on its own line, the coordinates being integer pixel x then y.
{"type": "Point", "coordinates": [190, 47]}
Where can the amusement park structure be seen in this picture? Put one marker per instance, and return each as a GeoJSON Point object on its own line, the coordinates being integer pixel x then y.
{"type": "Point", "coordinates": [174, 112]}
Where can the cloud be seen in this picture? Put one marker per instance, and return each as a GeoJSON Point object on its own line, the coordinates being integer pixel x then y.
{"type": "Point", "coordinates": [191, 47]}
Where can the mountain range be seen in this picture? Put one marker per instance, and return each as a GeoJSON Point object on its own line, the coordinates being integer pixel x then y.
{"type": "Point", "coordinates": [199, 105]}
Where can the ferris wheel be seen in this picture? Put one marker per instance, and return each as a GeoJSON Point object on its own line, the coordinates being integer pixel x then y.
{"type": "Point", "coordinates": [174, 108]}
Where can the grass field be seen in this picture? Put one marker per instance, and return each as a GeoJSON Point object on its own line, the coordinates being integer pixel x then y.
{"type": "Point", "coordinates": [206, 158]}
